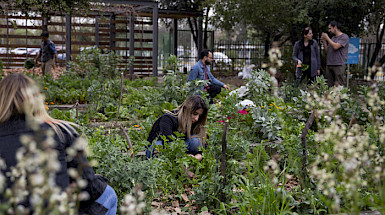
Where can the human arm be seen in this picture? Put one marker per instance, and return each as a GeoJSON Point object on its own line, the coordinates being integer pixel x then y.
{"type": "Point", "coordinates": [167, 126]}
{"type": "Point", "coordinates": [325, 44]}
{"type": "Point", "coordinates": [193, 75]}
{"type": "Point", "coordinates": [213, 79]}
{"type": "Point", "coordinates": [318, 57]}
{"type": "Point", "coordinates": [38, 57]}
{"type": "Point", "coordinates": [327, 39]}
{"type": "Point", "coordinates": [295, 53]}
{"type": "Point", "coordinates": [53, 50]}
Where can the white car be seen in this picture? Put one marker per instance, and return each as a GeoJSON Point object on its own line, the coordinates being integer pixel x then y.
{"type": "Point", "coordinates": [219, 57]}
{"type": "Point", "coordinates": [3, 50]}
{"type": "Point", "coordinates": [23, 51]}
{"type": "Point", "coordinates": [19, 51]}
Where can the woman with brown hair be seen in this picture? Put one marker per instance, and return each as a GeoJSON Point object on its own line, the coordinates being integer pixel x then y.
{"type": "Point", "coordinates": [306, 52]}
{"type": "Point", "coordinates": [189, 119]}
{"type": "Point", "coordinates": [20, 103]}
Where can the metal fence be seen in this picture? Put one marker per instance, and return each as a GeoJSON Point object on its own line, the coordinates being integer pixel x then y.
{"type": "Point", "coordinates": [230, 57]}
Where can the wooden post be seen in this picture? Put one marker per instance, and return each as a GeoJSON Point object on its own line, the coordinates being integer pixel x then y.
{"type": "Point", "coordinates": [120, 97]}
{"type": "Point", "coordinates": [223, 166]}
{"type": "Point", "coordinates": [77, 109]}
{"type": "Point", "coordinates": [175, 33]}
{"type": "Point", "coordinates": [128, 140]}
{"type": "Point", "coordinates": [97, 31]}
{"type": "Point", "coordinates": [132, 43]}
{"type": "Point", "coordinates": [112, 32]}
{"type": "Point", "coordinates": [68, 41]}
{"type": "Point", "coordinates": [200, 31]}
{"type": "Point", "coordinates": [303, 138]}
{"type": "Point", "coordinates": [155, 41]}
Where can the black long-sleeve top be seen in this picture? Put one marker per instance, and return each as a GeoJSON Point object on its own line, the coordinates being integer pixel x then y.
{"type": "Point", "coordinates": [16, 126]}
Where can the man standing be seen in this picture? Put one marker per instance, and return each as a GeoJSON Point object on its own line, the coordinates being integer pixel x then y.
{"type": "Point", "coordinates": [201, 71]}
{"type": "Point", "coordinates": [337, 54]}
{"type": "Point", "coordinates": [47, 53]}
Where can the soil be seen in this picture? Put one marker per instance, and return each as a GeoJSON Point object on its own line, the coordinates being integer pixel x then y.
{"type": "Point", "coordinates": [36, 70]}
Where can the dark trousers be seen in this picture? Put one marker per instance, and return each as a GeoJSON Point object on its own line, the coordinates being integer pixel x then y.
{"type": "Point", "coordinates": [213, 90]}
{"type": "Point", "coordinates": [306, 75]}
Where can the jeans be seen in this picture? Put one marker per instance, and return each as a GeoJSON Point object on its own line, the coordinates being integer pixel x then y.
{"type": "Point", "coordinates": [192, 144]}
{"type": "Point", "coordinates": [109, 200]}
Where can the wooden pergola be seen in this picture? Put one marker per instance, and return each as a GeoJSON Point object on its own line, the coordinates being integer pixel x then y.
{"type": "Point", "coordinates": [124, 26]}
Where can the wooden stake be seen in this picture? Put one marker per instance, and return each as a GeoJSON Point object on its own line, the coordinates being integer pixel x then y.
{"type": "Point", "coordinates": [223, 166]}
{"type": "Point", "coordinates": [128, 141]}
{"type": "Point", "coordinates": [303, 138]}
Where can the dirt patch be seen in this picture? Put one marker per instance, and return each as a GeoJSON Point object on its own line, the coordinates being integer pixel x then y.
{"type": "Point", "coordinates": [36, 71]}
{"type": "Point", "coordinates": [232, 80]}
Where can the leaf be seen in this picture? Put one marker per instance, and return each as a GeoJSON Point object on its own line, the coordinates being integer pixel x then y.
{"type": "Point", "coordinates": [175, 203]}
{"type": "Point", "coordinates": [178, 210]}
{"type": "Point", "coordinates": [185, 198]}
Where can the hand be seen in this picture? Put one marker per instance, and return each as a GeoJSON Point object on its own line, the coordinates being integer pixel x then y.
{"type": "Point", "coordinates": [226, 87]}
{"type": "Point", "coordinates": [318, 72]}
{"type": "Point", "coordinates": [324, 36]}
{"type": "Point", "coordinates": [198, 157]}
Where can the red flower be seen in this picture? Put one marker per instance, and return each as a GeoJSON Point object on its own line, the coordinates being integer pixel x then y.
{"type": "Point", "coordinates": [243, 112]}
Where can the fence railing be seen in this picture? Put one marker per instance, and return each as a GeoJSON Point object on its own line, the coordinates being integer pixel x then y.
{"type": "Point", "coordinates": [230, 57]}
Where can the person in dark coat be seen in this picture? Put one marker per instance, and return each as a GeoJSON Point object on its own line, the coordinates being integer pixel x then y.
{"type": "Point", "coordinates": [22, 102]}
{"type": "Point", "coordinates": [306, 51]}
{"type": "Point", "coordinates": [189, 119]}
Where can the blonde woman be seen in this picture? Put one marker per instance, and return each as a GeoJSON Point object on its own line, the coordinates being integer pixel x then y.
{"type": "Point", "coordinates": [20, 98]}
{"type": "Point", "coordinates": [189, 119]}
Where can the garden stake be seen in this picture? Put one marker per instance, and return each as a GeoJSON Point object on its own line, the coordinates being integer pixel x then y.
{"type": "Point", "coordinates": [303, 138]}
{"type": "Point", "coordinates": [120, 97]}
{"type": "Point", "coordinates": [128, 141]}
{"type": "Point", "coordinates": [77, 110]}
{"type": "Point", "coordinates": [352, 121]}
{"type": "Point", "coordinates": [223, 166]}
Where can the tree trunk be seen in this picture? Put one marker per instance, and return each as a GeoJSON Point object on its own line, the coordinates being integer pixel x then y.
{"type": "Point", "coordinates": [194, 31]}
{"type": "Point", "coordinates": [267, 44]}
{"type": "Point", "coordinates": [45, 23]}
{"type": "Point", "coordinates": [205, 37]}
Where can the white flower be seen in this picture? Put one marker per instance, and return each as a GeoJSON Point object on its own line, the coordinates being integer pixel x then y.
{"type": "Point", "coordinates": [37, 179]}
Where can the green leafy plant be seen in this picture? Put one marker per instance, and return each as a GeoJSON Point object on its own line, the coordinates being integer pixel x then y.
{"type": "Point", "coordinates": [29, 63]}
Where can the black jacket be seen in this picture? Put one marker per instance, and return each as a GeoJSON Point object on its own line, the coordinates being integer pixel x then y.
{"type": "Point", "coordinates": [16, 126]}
{"type": "Point", "coordinates": [166, 125]}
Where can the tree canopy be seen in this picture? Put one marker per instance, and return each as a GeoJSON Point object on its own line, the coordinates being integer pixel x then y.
{"type": "Point", "coordinates": [282, 20]}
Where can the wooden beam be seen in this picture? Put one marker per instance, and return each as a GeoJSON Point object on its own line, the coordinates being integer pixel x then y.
{"type": "Point", "coordinates": [68, 41]}
{"type": "Point", "coordinates": [155, 41]}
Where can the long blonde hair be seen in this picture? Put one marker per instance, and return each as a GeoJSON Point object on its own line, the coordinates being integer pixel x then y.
{"type": "Point", "coordinates": [184, 113]}
{"type": "Point", "coordinates": [19, 94]}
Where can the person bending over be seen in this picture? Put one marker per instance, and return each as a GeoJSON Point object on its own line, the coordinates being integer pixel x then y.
{"type": "Point", "coordinates": [188, 119]}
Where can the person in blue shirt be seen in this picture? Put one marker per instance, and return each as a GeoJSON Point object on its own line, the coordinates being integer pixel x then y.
{"type": "Point", "coordinates": [47, 54]}
{"type": "Point", "coordinates": [201, 71]}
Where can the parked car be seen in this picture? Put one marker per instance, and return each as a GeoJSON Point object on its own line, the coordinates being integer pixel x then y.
{"type": "Point", "coordinates": [220, 58]}
{"type": "Point", "coordinates": [23, 51]}
{"type": "Point", "coordinates": [19, 51]}
{"type": "Point", "coordinates": [61, 56]}
{"type": "Point", "coordinates": [33, 51]}
{"type": "Point", "coordinates": [3, 50]}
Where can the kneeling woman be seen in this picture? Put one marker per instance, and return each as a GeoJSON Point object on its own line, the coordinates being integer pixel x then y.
{"type": "Point", "coordinates": [188, 119]}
